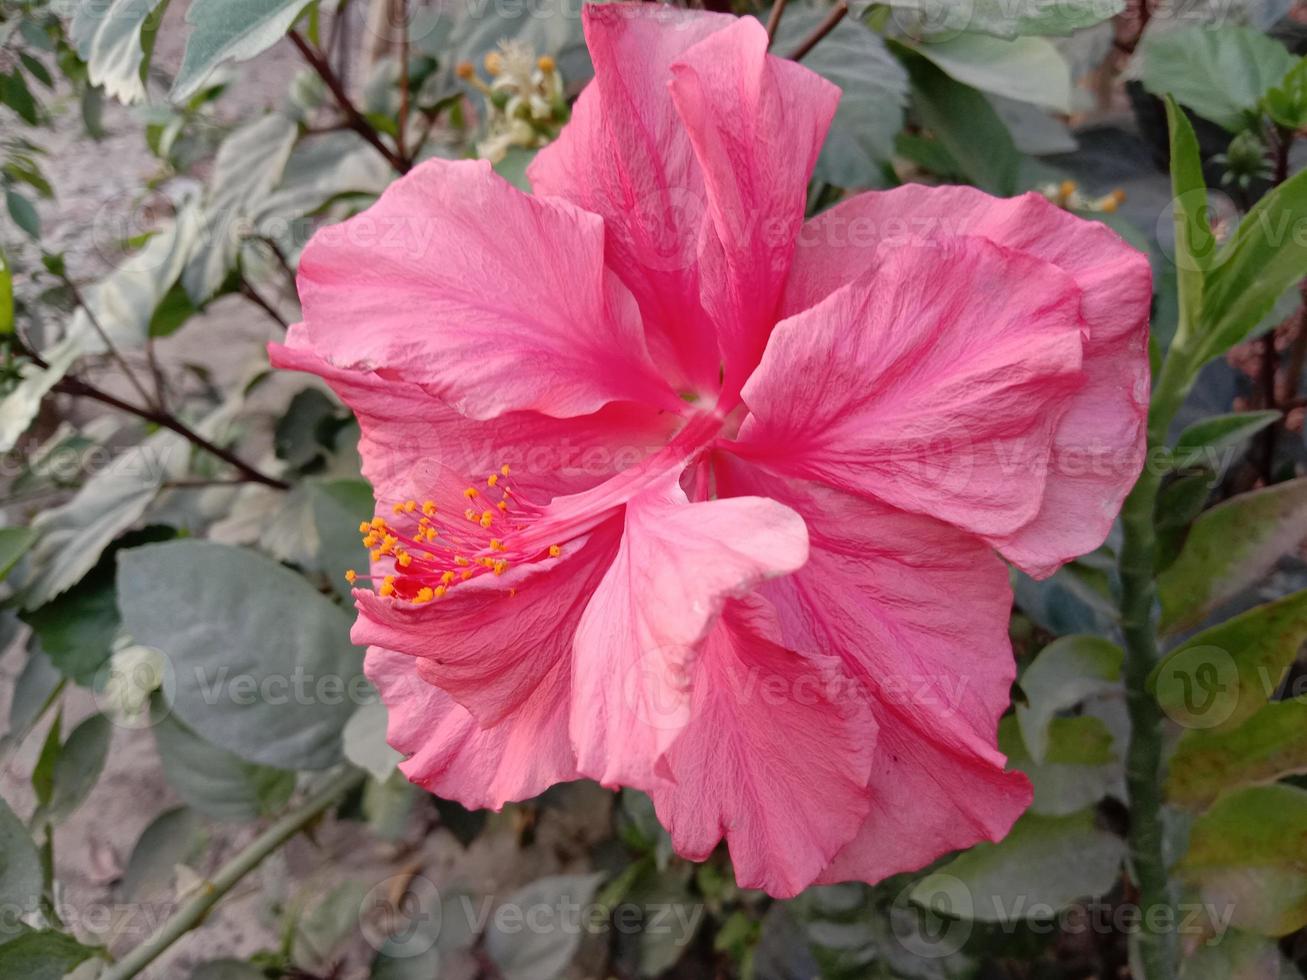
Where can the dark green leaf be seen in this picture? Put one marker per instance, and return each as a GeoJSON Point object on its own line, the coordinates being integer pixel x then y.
{"type": "Point", "coordinates": [1286, 103]}
{"type": "Point", "coordinates": [965, 123]}
{"type": "Point", "coordinates": [14, 541]}
{"type": "Point", "coordinates": [175, 309]}
{"type": "Point", "coordinates": [80, 762]}
{"type": "Point", "coordinates": [1270, 744]}
{"type": "Point", "coordinates": [263, 660]}
{"type": "Point", "coordinates": [44, 955]}
{"type": "Point", "coordinates": [23, 213]}
{"type": "Point", "coordinates": [36, 69]}
{"type": "Point", "coordinates": [1201, 443]}
{"type": "Point", "coordinates": [15, 94]}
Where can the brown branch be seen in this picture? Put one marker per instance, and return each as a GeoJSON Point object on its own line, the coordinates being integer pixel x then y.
{"type": "Point", "coordinates": [774, 21]}
{"type": "Point", "coordinates": [252, 295]}
{"type": "Point", "coordinates": [403, 83]}
{"type": "Point", "coordinates": [353, 117]}
{"type": "Point", "coordinates": [118, 359]}
{"type": "Point", "coordinates": [819, 32]}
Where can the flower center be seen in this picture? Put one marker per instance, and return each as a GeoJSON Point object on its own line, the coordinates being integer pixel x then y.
{"type": "Point", "coordinates": [433, 551]}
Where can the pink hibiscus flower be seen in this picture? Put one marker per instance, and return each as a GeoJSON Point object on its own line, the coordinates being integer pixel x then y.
{"type": "Point", "coordinates": [681, 492]}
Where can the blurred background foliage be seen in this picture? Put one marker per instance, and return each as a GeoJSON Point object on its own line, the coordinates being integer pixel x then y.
{"type": "Point", "coordinates": [173, 511]}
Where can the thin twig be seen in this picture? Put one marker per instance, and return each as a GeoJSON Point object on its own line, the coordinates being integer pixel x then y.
{"type": "Point", "coordinates": [774, 21]}
{"type": "Point", "coordinates": [250, 293]}
{"type": "Point", "coordinates": [84, 389]}
{"type": "Point", "coordinates": [356, 120]}
{"type": "Point", "coordinates": [403, 81]}
{"type": "Point", "coordinates": [277, 252]}
{"type": "Point", "coordinates": [819, 32]}
{"type": "Point", "coordinates": [80, 300]}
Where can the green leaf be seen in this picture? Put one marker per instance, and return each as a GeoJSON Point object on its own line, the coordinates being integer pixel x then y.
{"type": "Point", "coordinates": [248, 166]}
{"type": "Point", "coordinates": [108, 37]}
{"type": "Point", "coordinates": [43, 955]}
{"type": "Point", "coordinates": [1044, 864]}
{"type": "Point", "coordinates": [172, 838]}
{"type": "Point", "coordinates": [539, 953]}
{"type": "Point", "coordinates": [173, 311]}
{"type": "Point", "coordinates": [229, 29]}
{"type": "Point", "coordinates": [263, 661]}
{"type": "Point", "coordinates": [6, 296]}
{"type": "Point", "coordinates": [365, 742]}
{"type": "Point", "coordinates": [1286, 103]}
{"type": "Point", "coordinates": [1201, 444]}
{"type": "Point", "coordinates": [1080, 768]}
{"type": "Point", "coordinates": [215, 782]}
{"type": "Point", "coordinates": [338, 506]}
{"type": "Point", "coordinates": [75, 534]}
{"type": "Point", "coordinates": [1220, 74]}
{"type": "Point", "coordinates": [23, 213]}
{"type": "Point", "coordinates": [1237, 955]}
{"type": "Point", "coordinates": [1248, 853]}
{"type": "Point", "coordinates": [78, 767]}
{"type": "Point", "coordinates": [327, 924]}
{"type": "Point", "coordinates": [1269, 745]}
{"type": "Point", "coordinates": [1230, 548]}
{"type": "Point", "coordinates": [36, 69]}
{"type": "Point", "coordinates": [14, 542]}
{"type": "Point", "coordinates": [1065, 673]}
{"type": "Point", "coordinates": [43, 771]}
{"type": "Point", "coordinates": [21, 878]}
{"type": "Point", "coordinates": [874, 90]}
{"type": "Point", "coordinates": [1266, 256]}
{"type": "Point", "coordinates": [1224, 675]}
{"type": "Point", "coordinates": [965, 123]}
{"type": "Point", "coordinates": [921, 18]}
{"type": "Point", "coordinates": [1194, 242]}
{"type": "Point", "coordinates": [1029, 69]}
{"type": "Point", "coordinates": [15, 94]}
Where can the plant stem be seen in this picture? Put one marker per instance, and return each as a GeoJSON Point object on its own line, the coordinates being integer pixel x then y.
{"type": "Point", "coordinates": [252, 294]}
{"type": "Point", "coordinates": [118, 359]}
{"type": "Point", "coordinates": [819, 32]}
{"type": "Point", "coordinates": [353, 117]}
{"type": "Point", "coordinates": [83, 389]}
{"type": "Point", "coordinates": [195, 909]}
{"type": "Point", "coordinates": [1144, 754]}
{"type": "Point", "coordinates": [774, 21]}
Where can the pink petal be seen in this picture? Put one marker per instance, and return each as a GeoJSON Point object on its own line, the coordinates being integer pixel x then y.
{"type": "Point", "coordinates": [1098, 448]}
{"type": "Point", "coordinates": [488, 648]}
{"type": "Point", "coordinates": [775, 758]}
{"type": "Point", "coordinates": [496, 300]}
{"type": "Point", "coordinates": [404, 428]}
{"type": "Point", "coordinates": [917, 612]}
{"type": "Point", "coordinates": [934, 383]}
{"type": "Point", "coordinates": [677, 564]}
{"type": "Point", "coordinates": [757, 123]}
{"type": "Point", "coordinates": [625, 156]}
{"type": "Point", "coordinates": [450, 755]}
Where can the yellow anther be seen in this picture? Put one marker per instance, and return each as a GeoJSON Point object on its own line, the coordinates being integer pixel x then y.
{"type": "Point", "coordinates": [424, 595]}
{"type": "Point", "coordinates": [496, 545]}
{"type": "Point", "coordinates": [494, 62]}
{"type": "Point", "coordinates": [465, 70]}
{"type": "Point", "coordinates": [405, 559]}
{"type": "Point", "coordinates": [410, 506]}
{"type": "Point", "coordinates": [492, 479]}
{"type": "Point", "coordinates": [351, 575]}
{"type": "Point", "coordinates": [555, 551]}
{"type": "Point", "coordinates": [388, 585]}
{"type": "Point", "coordinates": [545, 63]}
{"type": "Point", "coordinates": [447, 578]}
{"type": "Point", "coordinates": [1067, 188]}
{"type": "Point", "coordinates": [397, 509]}
{"type": "Point", "coordinates": [370, 539]}
{"type": "Point", "coordinates": [365, 527]}
{"type": "Point", "coordinates": [504, 469]}
{"type": "Point", "coordinates": [461, 562]}
{"type": "Point", "coordinates": [440, 591]}
{"type": "Point", "coordinates": [428, 507]}
{"type": "Point", "coordinates": [470, 492]}
{"type": "Point", "coordinates": [499, 566]}
{"type": "Point", "coordinates": [375, 554]}
{"type": "Point", "coordinates": [467, 574]}
{"type": "Point", "coordinates": [487, 518]}
{"type": "Point", "coordinates": [378, 522]}
{"type": "Point", "coordinates": [502, 505]}
{"type": "Point", "coordinates": [470, 514]}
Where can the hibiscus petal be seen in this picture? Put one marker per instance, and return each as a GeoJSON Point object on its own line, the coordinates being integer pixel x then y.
{"type": "Point", "coordinates": [450, 755]}
{"type": "Point", "coordinates": [677, 564]}
{"type": "Point", "coordinates": [757, 123]}
{"type": "Point", "coordinates": [625, 156]}
{"type": "Point", "coordinates": [934, 383]}
{"type": "Point", "coordinates": [489, 648]}
{"type": "Point", "coordinates": [776, 758]}
{"type": "Point", "coordinates": [496, 300]}
{"type": "Point", "coordinates": [1098, 448]}
{"type": "Point", "coordinates": [917, 612]}
{"type": "Point", "coordinates": [404, 428]}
